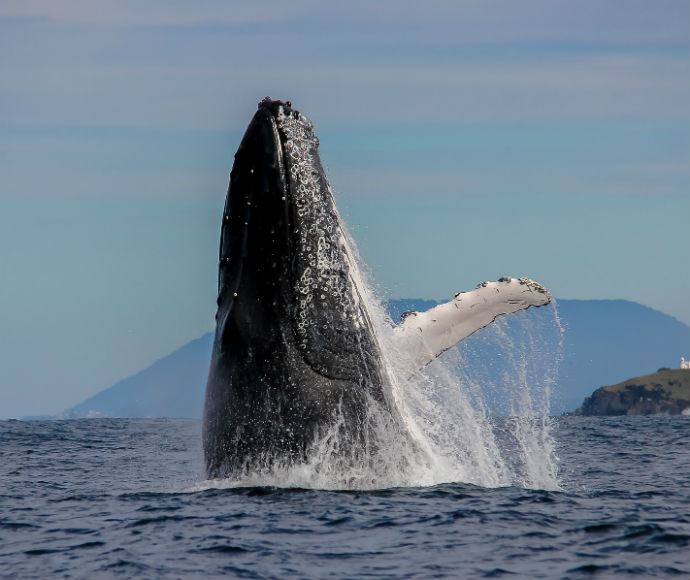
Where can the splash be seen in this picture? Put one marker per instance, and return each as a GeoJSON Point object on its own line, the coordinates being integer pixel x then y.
{"type": "Point", "coordinates": [488, 402]}
{"type": "Point", "coordinates": [478, 414]}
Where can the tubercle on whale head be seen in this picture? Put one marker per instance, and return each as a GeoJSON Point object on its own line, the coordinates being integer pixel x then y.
{"type": "Point", "coordinates": [277, 107]}
{"type": "Point", "coordinates": [282, 110]}
{"type": "Point", "coordinates": [291, 124]}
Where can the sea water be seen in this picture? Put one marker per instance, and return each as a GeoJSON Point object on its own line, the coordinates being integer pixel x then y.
{"type": "Point", "coordinates": [126, 498]}
{"type": "Point", "coordinates": [467, 477]}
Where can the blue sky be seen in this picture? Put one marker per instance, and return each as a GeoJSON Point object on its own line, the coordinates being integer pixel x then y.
{"type": "Point", "coordinates": [464, 141]}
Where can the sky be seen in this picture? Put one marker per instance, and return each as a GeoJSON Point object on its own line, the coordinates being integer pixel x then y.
{"type": "Point", "coordinates": [464, 140]}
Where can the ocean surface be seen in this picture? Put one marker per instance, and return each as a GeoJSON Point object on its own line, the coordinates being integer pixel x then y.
{"type": "Point", "coordinates": [120, 498]}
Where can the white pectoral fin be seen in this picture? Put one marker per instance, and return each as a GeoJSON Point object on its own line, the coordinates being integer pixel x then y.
{"type": "Point", "coordinates": [425, 335]}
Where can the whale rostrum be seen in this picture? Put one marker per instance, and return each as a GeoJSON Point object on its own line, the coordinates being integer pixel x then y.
{"type": "Point", "coordinates": [295, 349]}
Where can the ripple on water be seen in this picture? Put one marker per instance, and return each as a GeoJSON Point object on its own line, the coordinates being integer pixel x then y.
{"type": "Point", "coordinates": [627, 522]}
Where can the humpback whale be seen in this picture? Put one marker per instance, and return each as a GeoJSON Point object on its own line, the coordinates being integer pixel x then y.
{"type": "Point", "coordinates": [295, 349]}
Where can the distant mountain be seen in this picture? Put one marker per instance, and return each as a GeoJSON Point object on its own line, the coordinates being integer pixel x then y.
{"type": "Point", "coordinates": [171, 387]}
{"type": "Point", "coordinates": [608, 341]}
{"type": "Point", "coordinates": [664, 392]}
{"type": "Point", "coordinates": [605, 341]}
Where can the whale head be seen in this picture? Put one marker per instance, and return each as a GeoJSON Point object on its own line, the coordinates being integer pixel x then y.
{"type": "Point", "coordinates": [283, 252]}
{"type": "Point", "coordinates": [294, 344]}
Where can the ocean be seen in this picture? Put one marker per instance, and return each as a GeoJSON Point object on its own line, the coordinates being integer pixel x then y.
{"type": "Point", "coordinates": [126, 498]}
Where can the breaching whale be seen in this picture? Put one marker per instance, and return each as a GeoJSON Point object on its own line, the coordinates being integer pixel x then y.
{"type": "Point", "coordinates": [295, 349]}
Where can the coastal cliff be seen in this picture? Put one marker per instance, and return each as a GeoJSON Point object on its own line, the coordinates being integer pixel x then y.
{"type": "Point", "coordinates": [666, 391]}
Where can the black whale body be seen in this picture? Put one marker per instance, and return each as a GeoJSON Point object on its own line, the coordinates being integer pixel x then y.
{"type": "Point", "coordinates": [294, 350]}
{"type": "Point", "coordinates": [296, 365]}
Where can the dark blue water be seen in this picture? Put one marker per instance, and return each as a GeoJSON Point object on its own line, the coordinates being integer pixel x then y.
{"type": "Point", "coordinates": [111, 498]}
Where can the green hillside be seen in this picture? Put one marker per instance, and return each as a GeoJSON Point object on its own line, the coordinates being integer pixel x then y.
{"type": "Point", "coordinates": [666, 391]}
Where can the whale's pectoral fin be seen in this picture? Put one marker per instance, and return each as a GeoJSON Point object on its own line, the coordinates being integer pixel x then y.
{"type": "Point", "coordinates": [425, 335]}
